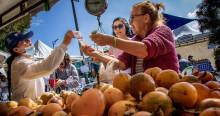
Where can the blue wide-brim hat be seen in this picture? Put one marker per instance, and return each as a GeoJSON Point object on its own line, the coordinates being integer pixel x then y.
{"type": "Point", "coordinates": [13, 38]}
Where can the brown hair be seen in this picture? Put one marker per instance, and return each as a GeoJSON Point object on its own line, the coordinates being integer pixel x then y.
{"type": "Point", "coordinates": [129, 33]}
{"type": "Point", "coordinates": [152, 9]}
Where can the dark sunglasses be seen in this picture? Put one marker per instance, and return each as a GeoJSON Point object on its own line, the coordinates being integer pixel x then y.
{"type": "Point", "coordinates": [67, 60]}
{"type": "Point", "coordinates": [27, 40]}
{"type": "Point", "coordinates": [119, 26]}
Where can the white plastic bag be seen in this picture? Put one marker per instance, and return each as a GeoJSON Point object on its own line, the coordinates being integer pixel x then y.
{"type": "Point", "coordinates": [106, 74]}
{"type": "Point", "coordinates": [71, 82]}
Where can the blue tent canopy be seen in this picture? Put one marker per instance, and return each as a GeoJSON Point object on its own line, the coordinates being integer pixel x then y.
{"type": "Point", "coordinates": [174, 22]}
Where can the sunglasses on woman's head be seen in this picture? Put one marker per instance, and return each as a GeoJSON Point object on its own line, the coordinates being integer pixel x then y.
{"type": "Point", "coordinates": [119, 26]}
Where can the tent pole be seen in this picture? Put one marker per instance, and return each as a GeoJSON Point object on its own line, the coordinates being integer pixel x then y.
{"type": "Point", "coordinates": [76, 22]}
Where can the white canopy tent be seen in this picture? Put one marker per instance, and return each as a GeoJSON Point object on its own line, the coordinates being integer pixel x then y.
{"type": "Point", "coordinates": [76, 58]}
{"type": "Point", "coordinates": [3, 56]}
{"type": "Point", "coordinates": [187, 29]}
{"type": "Point", "coordinates": [41, 50]}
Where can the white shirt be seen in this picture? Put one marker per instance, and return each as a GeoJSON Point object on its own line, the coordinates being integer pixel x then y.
{"type": "Point", "coordinates": [84, 68]}
{"type": "Point", "coordinates": [27, 74]}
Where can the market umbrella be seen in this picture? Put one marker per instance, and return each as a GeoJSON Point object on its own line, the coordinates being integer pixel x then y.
{"type": "Point", "coordinates": [174, 22]}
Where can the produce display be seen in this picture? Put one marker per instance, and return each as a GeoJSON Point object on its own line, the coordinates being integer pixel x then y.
{"type": "Point", "coordinates": [155, 92]}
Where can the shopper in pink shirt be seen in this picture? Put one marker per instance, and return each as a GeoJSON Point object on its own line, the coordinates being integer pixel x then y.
{"type": "Point", "coordinates": [153, 44]}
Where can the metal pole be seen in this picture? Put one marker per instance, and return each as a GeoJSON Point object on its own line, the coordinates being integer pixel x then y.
{"type": "Point", "coordinates": [76, 22]}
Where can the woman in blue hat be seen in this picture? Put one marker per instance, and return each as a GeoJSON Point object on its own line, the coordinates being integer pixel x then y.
{"type": "Point", "coordinates": [25, 74]}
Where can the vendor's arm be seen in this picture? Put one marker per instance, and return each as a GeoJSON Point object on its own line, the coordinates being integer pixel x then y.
{"type": "Point", "coordinates": [158, 42]}
{"type": "Point", "coordinates": [101, 56]}
{"type": "Point", "coordinates": [48, 65]}
{"type": "Point", "coordinates": [135, 48]}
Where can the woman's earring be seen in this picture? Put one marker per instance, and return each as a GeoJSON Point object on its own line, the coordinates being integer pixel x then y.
{"type": "Point", "coordinates": [17, 50]}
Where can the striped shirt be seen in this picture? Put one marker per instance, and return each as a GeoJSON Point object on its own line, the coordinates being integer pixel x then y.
{"type": "Point", "coordinates": [139, 65]}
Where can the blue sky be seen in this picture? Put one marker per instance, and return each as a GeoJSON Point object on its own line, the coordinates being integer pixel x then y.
{"type": "Point", "coordinates": [53, 24]}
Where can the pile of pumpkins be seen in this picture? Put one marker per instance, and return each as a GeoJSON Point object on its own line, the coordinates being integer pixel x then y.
{"type": "Point", "coordinates": [155, 92]}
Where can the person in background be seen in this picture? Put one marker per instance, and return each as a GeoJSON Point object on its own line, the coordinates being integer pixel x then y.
{"type": "Point", "coordinates": [84, 69]}
{"type": "Point", "coordinates": [70, 68]}
{"type": "Point", "coordinates": [191, 60]}
{"type": "Point", "coordinates": [56, 81]}
{"type": "Point", "coordinates": [183, 63]}
{"type": "Point", "coordinates": [66, 74]}
{"type": "Point", "coordinates": [3, 87]}
{"type": "Point", "coordinates": [25, 75]}
{"type": "Point", "coordinates": [152, 45]}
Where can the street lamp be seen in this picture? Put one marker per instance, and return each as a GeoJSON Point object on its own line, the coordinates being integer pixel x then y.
{"type": "Point", "coordinates": [54, 42]}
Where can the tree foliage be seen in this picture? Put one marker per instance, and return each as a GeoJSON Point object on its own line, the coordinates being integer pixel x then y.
{"type": "Point", "coordinates": [20, 25]}
{"type": "Point", "coordinates": [209, 18]}
{"type": "Point", "coordinates": [217, 58]}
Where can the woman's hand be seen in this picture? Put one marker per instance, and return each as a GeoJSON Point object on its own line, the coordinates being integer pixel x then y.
{"type": "Point", "coordinates": [77, 34]}
{"type": "Point", "coordinates": [102, 39]}
{"type": "Point", "coordinates": [68, 37]}
{"type": "Point", "coordinates": [88, 50]}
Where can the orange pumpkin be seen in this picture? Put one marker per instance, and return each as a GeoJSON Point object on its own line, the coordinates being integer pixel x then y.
{"type": "Point", "coordinates": [183, 93]}
{"type": "Point", "coordinates": [213, 84]}
{"type": "Point", "coordinates": [207, 103]}
{"type": "Point", "coordinates": [203, 91]}
{"type": "Point", "coordinates": [91, 103]}
{"type": "Point", "coordinates": [113, 95]}
{"type": "Point", "coordinates": [140, 84]}
{"type": "Point", "coordinates": [210, 112]}
{"type": "Point", "coordinates": [215, 94]}
{"type": "Point", "coordinates": [167, 78]}
{"type": "Point", "coordinates": [122, 107]}
{"type": "Point", "coordinates": [121, 81]}
{"type": "Point", "coordinates": [162, 89]}
{"type": "Point", "coordinates": [205, 76]}
{"type": "Point", "coordinates": [156, 101]}
{"type": "Point", "coordinates": [153, 72]}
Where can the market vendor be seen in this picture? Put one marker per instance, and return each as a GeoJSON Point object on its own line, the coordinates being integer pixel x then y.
{"type": "Point", "coordinates": [26, 75]}
{"type": "Point", "coordinates": [152, 46]}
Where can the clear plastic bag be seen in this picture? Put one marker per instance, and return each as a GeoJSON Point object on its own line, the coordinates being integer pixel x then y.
{"type": "Point", "coordinates": [107, 74]}
{"type": "Point", "coordinates": [72, 82]}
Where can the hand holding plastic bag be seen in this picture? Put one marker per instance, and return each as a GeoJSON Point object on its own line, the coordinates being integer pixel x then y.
{"type": "Point", "coordinates": [107, 73]}
{"type": "Point", "coordinates": [71, 82]}
{"type": "Point", "coordinates": [77, 34]}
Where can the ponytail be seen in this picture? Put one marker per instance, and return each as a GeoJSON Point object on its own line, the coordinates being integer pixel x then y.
{"type": "Point", "coordinates": [9, 62]}
{"type": "Point", "coordinates": [153, 9]}
{"type": "Point", "coordinates": [159, 6]}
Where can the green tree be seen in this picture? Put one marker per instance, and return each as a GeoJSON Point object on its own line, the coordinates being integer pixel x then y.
{"type": "Point", "coordinates": [209, 20]}
{"type": "Point", "coordinates": [217, 58]}
{"type": "Point", "coordinates": [20, 25]}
